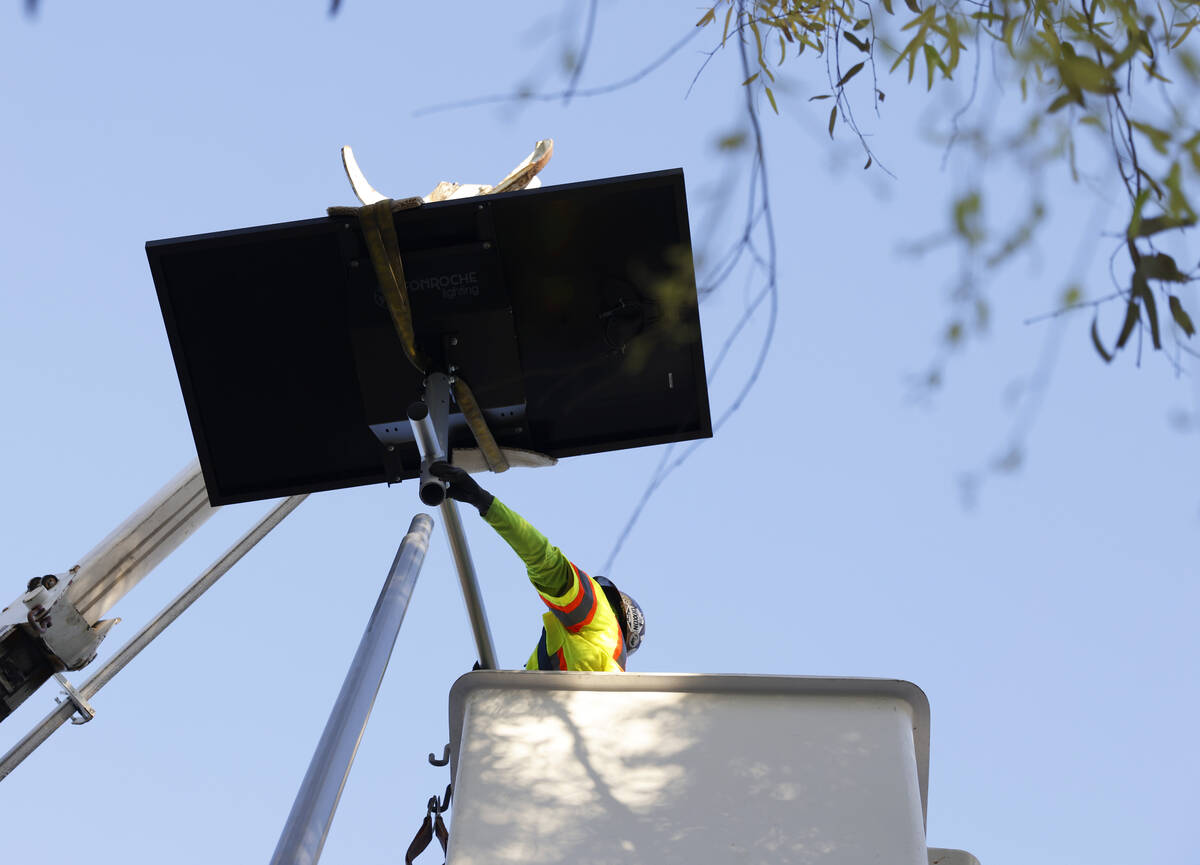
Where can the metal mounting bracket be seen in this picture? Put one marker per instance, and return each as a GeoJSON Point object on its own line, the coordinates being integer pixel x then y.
{"type": "Point", "coordinates": [82, 706]}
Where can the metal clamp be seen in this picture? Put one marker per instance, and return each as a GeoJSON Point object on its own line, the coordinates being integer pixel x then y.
{"type": "Point", "coordinates": [82, 706]}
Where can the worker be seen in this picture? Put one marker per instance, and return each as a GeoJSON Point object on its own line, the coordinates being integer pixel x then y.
{"type": "Point", "coordinates": [585, 628]}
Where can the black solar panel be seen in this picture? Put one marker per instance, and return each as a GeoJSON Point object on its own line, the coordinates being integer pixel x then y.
{"type": "Point", "coordinates": [570, 310]}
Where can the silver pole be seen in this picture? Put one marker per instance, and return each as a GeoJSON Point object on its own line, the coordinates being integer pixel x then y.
{"type": "Point", "coordinates": [312, 813]}
{"type": "Point", "coordinates": [152, 629]}
{"type": "Point", "coordinates": [429, 443]}
{"type": "Point", "coordinates": [469, 582]}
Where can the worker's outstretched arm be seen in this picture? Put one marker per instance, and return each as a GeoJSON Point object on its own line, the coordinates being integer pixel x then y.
{"type": "Point", "coordinates": [549, 570]}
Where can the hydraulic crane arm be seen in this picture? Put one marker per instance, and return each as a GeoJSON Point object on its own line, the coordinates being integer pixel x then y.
{"type": "Point", "coordinates": [55, 623]}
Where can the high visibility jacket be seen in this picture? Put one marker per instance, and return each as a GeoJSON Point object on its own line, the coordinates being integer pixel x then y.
{"type": "Point", "coordinates": [580, 630]}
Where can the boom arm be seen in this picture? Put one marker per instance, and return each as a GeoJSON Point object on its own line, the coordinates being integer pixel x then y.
{"type": "Point", "coordinates": [55, 623]}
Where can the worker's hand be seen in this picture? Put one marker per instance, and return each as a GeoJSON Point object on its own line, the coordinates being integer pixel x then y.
{"type": "Point", "coordinates": [461, 486]}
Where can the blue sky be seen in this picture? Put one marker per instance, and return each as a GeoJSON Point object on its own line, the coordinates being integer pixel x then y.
{"type": "Point", "coordinates": [821, 532]}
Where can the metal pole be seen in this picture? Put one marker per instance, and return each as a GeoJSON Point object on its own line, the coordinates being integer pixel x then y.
{"type": "Point", "coordinates": [470, 585]}
{"type": "Point", "coordinates": [152, 629]}
{"type": "Point", "coordinates": [312, 813]}
{"type": "Point", "coordinates": [429, 443]}
{"type": "Point", "coordinates": [429, 418]}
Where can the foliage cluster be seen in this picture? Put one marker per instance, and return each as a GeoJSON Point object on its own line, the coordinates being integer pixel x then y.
{"type": "Point", "coordinates": [1119, 71]}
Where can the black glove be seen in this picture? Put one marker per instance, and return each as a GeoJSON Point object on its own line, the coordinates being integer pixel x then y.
{"type": "Point", "coordinates": [461, 486]}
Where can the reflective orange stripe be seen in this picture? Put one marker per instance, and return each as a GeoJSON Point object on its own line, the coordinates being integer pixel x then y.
{"type": "Point", "coordinates": [570, 607]}
{"type": "Point", "coordinates": [619, 651]}
{"type": "Point", "coordinates": [577, 614]}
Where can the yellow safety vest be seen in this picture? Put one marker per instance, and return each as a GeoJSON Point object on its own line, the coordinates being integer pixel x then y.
{"type": "Point", "coordinates": [580, 631]}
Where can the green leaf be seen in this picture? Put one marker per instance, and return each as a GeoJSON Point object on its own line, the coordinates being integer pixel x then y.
{"type": "Point", "coordinates": [1135, 221]}
{"type": "Point", "coordinates": [932, 62]}
{"type": "Point", "coordinates": [820, 96]}
{"type": "Point", "coordinates": [922, 21]}
{"type": "Point", "coordinates": [1125, 54]}
{"type": "Point", "coordinates": [733, 141]}
{"type": "Point", "coordinates": [771, 99]}
{"type": "Point", "coordinates": [1187, 28]}
{"type": "Point", "coordinates": [910, 54]}
{"type": "Point", "coordinates": [1098, 344]}
{"type": "Point", "coordinates": [1180, 315]}
{"type": "Point", "coordinates": [1132, 314]}
{"type": "Point", "coordinates": [1161, 266]}
{"type": "Point", "coordinates": [1156, 224]}
{"type": "Point", "coordinates": [751, 78]}
{"type": "Point", "coordinates": [1063, 100]}
{"type": "Point", "coordinates": [1144, 44]}
{"type": "Point", "coordinates": [725, 34]}
{"type": "Point", "coordinates": [861, 23]}
{"type": "Point", "coordinates": [1152, 70]}
{"type": "Point", "coordinates": [952, 41]}
{"type": "Point", "coordinates": [1177, 204]}
{"type": "Point", "coordinates": [865, 47]}
{"type": "Point", "coordinates": [1010, 29]}
{"type": "Point", "coordinates": [1072, 296]}
{"type": "Point", "coordinates": [1152, 314]}
{"type": "Point", "coordinates": [1083, 73]}
{"type": "Point", "coordinates": [1141, 289]}
{"type": "Point", "coordinates": [912, 6]}
{"type": "Point", "coordinates": [854, 70]}
{"type": "Point", "coordinates": [757, 40]}
{"type": "Point", "coordinates": [709, 17]}
{"type": "Point", "coordinates": [832, 120]}
{"type": "Point", "coordinates": [967, 210]}
{"type": "Point", "coordinates": [1159, 138]}
{"type": "Point", "coordinates": [868, 165]}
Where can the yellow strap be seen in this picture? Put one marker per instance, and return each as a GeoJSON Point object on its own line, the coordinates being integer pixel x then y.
{"type": "Point", "coordinates": [380, 234]}
{"type": "Point", "coordinates": [474, 416]}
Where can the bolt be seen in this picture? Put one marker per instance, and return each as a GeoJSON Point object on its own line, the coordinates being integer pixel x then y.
{"type": "Point", "coordinates": [354, 263]}
{"type": "Point", "coordinates": [391, 447]}
{"type": "Point", "coordinates": [479, 207]}
{"type": "Point", "coordinates": [454, 340]}
{"type": "Point", "coordinates": [487, 245]}
{"type": "Point", "coordinates": [346, 226]}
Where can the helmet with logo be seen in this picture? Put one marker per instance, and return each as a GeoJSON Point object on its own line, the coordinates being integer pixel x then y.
{"type": "Point", "coordinates": [629, 614]}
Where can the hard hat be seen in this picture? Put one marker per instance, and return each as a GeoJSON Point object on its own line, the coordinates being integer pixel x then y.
{"type": "Point", "coordinates": [629, 614]}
